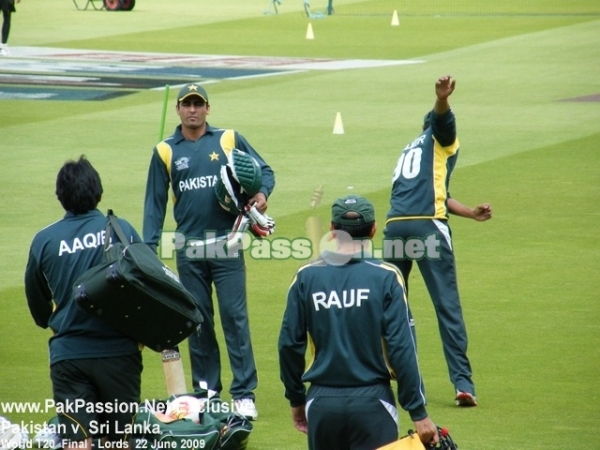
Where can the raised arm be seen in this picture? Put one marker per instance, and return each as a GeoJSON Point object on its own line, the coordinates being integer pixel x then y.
{"type": "Point", "coordinates": [444, 87]}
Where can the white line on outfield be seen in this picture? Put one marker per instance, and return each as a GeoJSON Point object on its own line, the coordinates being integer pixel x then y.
{"type": "Point", "coordinates": [232, 61]}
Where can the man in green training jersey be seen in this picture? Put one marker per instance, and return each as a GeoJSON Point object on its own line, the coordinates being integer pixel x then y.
{"type": "Point", "coordinates": [189, 163]}
{"type": "Point", "coordinates": [420, 205]}
{"type": "Point", "coordinates": [92, 365]}
{"type": "Point", "coordinates": [352, 310]}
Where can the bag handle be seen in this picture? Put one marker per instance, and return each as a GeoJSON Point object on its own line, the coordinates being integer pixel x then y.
{"type": "Point", "coordinates": [113, 222]}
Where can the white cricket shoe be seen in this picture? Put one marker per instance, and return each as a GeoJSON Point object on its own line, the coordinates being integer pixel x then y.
{"type": "Point", "coordinates": [246, 408]}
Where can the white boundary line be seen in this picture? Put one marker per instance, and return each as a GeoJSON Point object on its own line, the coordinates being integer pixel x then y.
{"type": "Point", "coordinates": [231, 61]}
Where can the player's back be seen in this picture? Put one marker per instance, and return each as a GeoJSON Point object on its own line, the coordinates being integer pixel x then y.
{"type": "Point", "coordinates": [345, 307]}
{"type": "Point", "coordinates": [421, 177]}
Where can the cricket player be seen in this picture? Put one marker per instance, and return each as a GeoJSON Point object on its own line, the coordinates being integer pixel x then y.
{"type": "Point", "coordinates": [420, 205]}
{"type": "Point", "coordinates": [189, 163]}
{"type": "Point", "coordinates": [351, 311]}
{"type": "Point", "coordinates": [91, 363]}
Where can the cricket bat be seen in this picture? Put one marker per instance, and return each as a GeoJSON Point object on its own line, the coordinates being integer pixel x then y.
{"type": "Point", "coordinates": [173, 370]}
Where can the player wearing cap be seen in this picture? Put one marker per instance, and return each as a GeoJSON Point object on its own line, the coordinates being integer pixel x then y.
{"type": "Point", "coordinates": [420, 204]}
{"type": "Point", "coordinates": [351, 310]}
{"type": "Point", "coordinates": [189, 162]}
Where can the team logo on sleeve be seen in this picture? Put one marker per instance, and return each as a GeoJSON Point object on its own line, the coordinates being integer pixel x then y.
{"type": "Point", "coordinates": [182, 163]}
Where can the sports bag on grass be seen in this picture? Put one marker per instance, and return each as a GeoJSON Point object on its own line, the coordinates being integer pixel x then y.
{"type": "Point", "coordinates": [137, 293]}
{"type": "Point", "coordinates": [215, 427]}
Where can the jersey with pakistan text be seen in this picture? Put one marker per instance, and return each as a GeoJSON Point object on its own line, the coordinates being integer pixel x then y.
{"type": "Point", "coordinates": [192, 169]}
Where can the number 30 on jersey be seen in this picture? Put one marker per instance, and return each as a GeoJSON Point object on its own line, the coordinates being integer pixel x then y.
{"type": "Point", "coordinates": [409, 164]}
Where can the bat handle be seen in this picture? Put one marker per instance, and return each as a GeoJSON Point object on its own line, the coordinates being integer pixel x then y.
{"type": "Point", "coordinates": [173, 371]}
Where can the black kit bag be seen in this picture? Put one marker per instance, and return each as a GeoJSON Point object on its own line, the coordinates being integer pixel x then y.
{"type": "Point", "coordinates": [135, 292]}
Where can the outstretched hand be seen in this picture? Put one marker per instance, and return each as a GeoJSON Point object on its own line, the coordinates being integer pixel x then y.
{"type": "Point", "coordinates": [444, 87]}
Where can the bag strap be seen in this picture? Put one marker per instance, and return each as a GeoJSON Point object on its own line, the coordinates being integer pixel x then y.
{"type": "Point", "coordinates": [113, 222]}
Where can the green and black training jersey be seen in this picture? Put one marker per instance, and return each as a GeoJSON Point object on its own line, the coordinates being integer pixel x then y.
{"type": "Point", "coordinates": [355, 319]}
{"type": "Point", "coordinates": [192, 169]}
{"type": "Point", "coordinates": [59, 254]}
{"type": "Point", "coordinates": [422, 174]}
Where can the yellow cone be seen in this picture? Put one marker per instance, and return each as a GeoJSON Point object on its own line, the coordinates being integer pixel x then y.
{"type": "Point", "coordinates": [309, 32]}
{"type": "Point", "coordinates": [338, 126]}
{"type": "Point", "coordinates": [395, 20]}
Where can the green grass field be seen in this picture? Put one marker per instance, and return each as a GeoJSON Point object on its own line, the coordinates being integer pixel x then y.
{"type": "Point", "coordinates": [528, 278]}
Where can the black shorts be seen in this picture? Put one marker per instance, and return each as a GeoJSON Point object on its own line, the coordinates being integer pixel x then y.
{"type": "Point", "coordinates": [96, 397]}
{"type": "Point", "coordinates": [359, 418]}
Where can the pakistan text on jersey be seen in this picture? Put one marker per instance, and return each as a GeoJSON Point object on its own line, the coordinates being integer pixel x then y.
{"type": "Point", "coordinates": [198, 183]}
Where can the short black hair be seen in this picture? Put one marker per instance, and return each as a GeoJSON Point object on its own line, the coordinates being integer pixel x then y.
{"type": "Point", "coordinates": [78, 186]}
{"type": "Point", "coordinates": [359, 231]}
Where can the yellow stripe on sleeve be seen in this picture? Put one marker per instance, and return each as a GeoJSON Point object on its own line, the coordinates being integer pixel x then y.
{"type": "Point", "coordinates": [165, 152]}
{"type": "Point", "coordinates": [440, 158]}
{"type": "Point", "coordinates": [228, 141]}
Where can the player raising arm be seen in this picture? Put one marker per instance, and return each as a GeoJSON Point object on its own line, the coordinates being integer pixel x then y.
{"type": "Point", "coordinates": [420, 205]}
